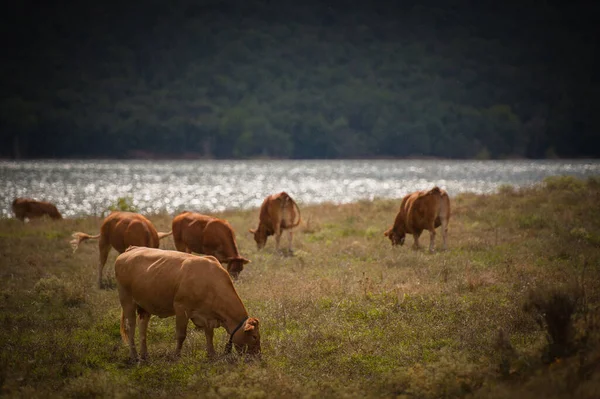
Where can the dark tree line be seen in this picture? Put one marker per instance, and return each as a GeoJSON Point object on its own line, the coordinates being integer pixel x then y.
{"type": "Point", "coordinates": [298, 79]}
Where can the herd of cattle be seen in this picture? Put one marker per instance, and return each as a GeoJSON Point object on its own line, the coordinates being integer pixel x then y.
{"type": "Point", "coordinates": [151, 281]}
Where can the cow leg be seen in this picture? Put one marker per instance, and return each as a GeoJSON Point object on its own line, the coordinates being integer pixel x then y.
{"type": "Point", "coordinates": [129, 316]}
{"type": "Point", "coordinates": [416, 243]}
{"type": "Point", "coordinates": [181, 322]}
{"type": "Point", "coordinates": [290, 235]}
{"type": "Point", "coordinates": [209, 333]}
{"type": "Point", "coordinates": [144, 320]}
{"type": "Point", "coordinates": [104, 249]}
{"type": "Point", "coordinates": [210, 348]}
{"type": "Point", "coordinates": [431, 239]}
{"type": "Point", "coordinates": [277, 236]}
{"type": "Point", "coordinates": [444, 233]}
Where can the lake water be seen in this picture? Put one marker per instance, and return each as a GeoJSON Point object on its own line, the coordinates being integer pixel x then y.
{"type": "Point", "coordinates": [89, 187]}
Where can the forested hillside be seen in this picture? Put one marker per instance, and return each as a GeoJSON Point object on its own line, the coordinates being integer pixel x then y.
{"type": "Point", "coordinates": [298, 79]}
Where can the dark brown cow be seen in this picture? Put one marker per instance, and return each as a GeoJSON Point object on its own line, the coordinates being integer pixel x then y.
{"type": "Point", "coordinates": [277, 213]}
{"type": "Point", "coordinates": [30, 208]}
{"type": "Point", "coordinates": [189, 287]}
{"type": "Point", "coordinates": [120, 230]}
{"type": "Point", "coordinates": [193, 232]}
{"type": "Point", "coordinates": [421, 210]}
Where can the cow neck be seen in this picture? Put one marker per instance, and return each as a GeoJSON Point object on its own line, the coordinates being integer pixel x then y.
{"type": "Point", "coordinates": [231, 246]}
{"type": "Point", "coordinates": [230, 342]}
{"type": "Point", "coordinates": [234, 313]}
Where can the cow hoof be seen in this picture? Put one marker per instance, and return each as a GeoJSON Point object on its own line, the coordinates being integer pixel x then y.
{"type": "Point", "coordinates": [132, 361]}
{"type": "Point", "coordinates": [286, 253]}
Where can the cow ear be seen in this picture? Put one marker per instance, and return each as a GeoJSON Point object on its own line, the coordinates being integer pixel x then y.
{"type": "Point", "coordinates": [246, 261]}
{"type": "Point", "coordinates": [252, 231]}
{"type": "Point", "coordinates": [387, 232]}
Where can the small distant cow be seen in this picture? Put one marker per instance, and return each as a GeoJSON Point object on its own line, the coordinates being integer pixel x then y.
{"type": "Point", "coordinates": [189, 287]}
{"type": "Point", "coordinates": [30, 208]}
{"type": "Point", "coordinates": [120, 230]}
{"type": "Point", "coordinates": [421, 210]}
{"type": "Point", "coordinates": [277, 213]}
{"type": "Point", "coordinates": [193, 232]}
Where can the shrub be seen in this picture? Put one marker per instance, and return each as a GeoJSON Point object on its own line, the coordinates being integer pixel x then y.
{"type": "Point", "coordinates": [52, 290]}
{"type": "Point", "coordinates": [507, 190]}
{"type": "Point", "coordinates": [564, 183]}
{"type": "Point", "coordinates": [553, 309]}
{"type": "Point", "coordinates": [124, 204]}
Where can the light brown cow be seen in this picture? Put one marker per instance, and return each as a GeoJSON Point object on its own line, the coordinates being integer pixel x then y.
{"type": "Point", "coordinates": [189, 287]}
{"type": "Point", "coordinates": [277, 213]}
{"type": "Point", "coordinates": [120, 230]}
{"type": "Point", "coordinates": [421, 210]}
{"type": "Point", "coordinates": [193, 232]}
{"type": "Point", "coordinates": [30, 208]}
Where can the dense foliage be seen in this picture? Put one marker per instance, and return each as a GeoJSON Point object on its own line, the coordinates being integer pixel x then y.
{"type": "Point", "coordinates": [309, 79]}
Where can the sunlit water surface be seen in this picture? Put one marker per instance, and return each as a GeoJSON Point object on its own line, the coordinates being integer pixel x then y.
{"type": "Point", "coordinates": [89, 187]}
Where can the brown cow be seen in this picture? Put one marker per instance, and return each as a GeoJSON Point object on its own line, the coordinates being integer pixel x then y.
{"type": "Point", "coordinates": [421, 210]}
{"type": "Point", "coordinates": [170, 283]}
{"type": "Point", "coordinates": [30, 208]}
{"type": "Point", "coordinates": [277, 213]}
{"type": "Point", "coordinates": [193, 232]}
{"type": "Point", "coordinates": [120, 230]}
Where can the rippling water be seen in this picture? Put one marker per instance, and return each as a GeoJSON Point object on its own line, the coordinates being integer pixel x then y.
{"type": "Point", "coordinates": [89, 187]}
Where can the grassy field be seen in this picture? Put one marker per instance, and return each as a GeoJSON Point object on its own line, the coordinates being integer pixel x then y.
{"type": "Point", "coordinates": [510, 310]}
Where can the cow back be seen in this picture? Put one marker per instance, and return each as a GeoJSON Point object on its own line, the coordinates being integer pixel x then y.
{"type": "Point", "coordinates": [190, 230]}
{"type": "Point", "coordinates": [125, 229]}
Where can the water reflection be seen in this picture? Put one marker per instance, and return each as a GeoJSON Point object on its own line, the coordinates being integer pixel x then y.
{"type": "Point", "coordinates": [89, 187]}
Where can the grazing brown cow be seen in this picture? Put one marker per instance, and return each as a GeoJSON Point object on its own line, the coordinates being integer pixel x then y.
{"type": "Point", "coordinates": [120, 230]}
{"type": "Point", "coordinates": [30, 208]}
{"type": "Point", "coordinates": [421, 210]}
{"type": "Point", "coordinates": [193, 232]}
{"type": "Point", "coordinates": [189, 287]}
{"type": "Point", "coordinates": [277, 213]}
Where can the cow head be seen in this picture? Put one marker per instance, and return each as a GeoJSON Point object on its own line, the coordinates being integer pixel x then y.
{"type": "Point", "coordinates": [260, 236]}
{"type": "Point", "coordinates": [235, 265]}
{"type": "Point", "coordinates": [247, 339]}
{"type": "Point", "coordinates": [396, 237]}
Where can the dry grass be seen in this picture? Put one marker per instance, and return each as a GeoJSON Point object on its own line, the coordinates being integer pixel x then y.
{"type": "Point", "coordinates": [511, 310]}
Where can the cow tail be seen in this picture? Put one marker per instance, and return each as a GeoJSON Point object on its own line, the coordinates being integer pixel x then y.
{"type": "Point", "coordinates": [299, 215]}
{"type": "Point", "coordinates": [124, 334]}
{"type": "Point", "coordinates": [79, 237]}
{"type": "Point", "coordinates": [163, 235]}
